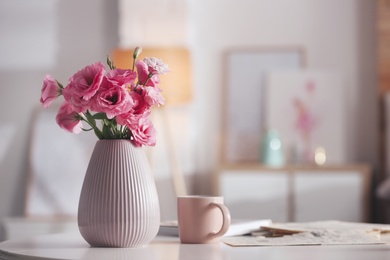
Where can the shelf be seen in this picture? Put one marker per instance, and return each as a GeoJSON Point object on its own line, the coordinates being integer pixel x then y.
{"type": "Point", "coordinates": [298, 167]}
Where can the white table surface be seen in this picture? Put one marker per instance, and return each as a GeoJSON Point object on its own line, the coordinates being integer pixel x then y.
{"type": "Point", "coordinates": [72, 246]}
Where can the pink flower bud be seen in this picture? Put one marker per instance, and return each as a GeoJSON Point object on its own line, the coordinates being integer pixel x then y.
{"type": "Point", "coordinates": [50, 91]}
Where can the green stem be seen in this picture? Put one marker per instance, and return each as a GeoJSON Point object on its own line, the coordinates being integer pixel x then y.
{"type": "Point", "coordinates": [88, 118]}
{"type": "Point", "coordinates": [149, 77]}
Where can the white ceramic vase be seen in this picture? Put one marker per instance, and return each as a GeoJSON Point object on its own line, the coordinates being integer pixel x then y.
{"type": "Point", "coordinates": [119, 204]}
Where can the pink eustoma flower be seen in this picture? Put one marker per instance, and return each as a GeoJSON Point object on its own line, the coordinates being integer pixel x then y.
{"type": "Point", "coordinates": [144, 133]}
{"type": "Point", "coordinates": [50, 91]}
{"type": "Point", "coordinates": [138, 111]}
{"type": "Point", "coordinates": [143, 74]}
{"type": "Point", "coordinates": [140, 106]}
{"type": "Point", "coordinates": [156, 66]}
{"type": "Point", "coordinates": [68, 119]}
{"type": "Point", "coordinates": [121, 76]}
{"type": "Point", "coordinates": [112, 100]}
{"type": "Point", "coordinates": [152, 96]}
{"type": "Point", "coordinates": [83, 85]}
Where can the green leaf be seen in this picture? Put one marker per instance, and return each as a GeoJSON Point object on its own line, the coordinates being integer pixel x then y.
{"type": "Point", "coordinates": [92, 122]}
{"type": "Point", "coordinates": [98, 133]}
{"type": "Point", "coordinates": [107, 132]}
{"type": "Point", "coordinates": [99, 116]}
{"type": "Point", "coordinates": [86, 130]}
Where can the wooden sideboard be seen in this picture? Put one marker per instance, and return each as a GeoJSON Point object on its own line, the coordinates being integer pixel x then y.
{"type": "Point", "coordinates": [296, 193]}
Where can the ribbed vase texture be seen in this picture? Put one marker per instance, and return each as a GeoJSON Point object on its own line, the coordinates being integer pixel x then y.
{"type": "Point", "coordinates": [119, 204]}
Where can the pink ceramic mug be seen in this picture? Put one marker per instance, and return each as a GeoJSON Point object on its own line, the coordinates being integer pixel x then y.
{"type": "Point", "coordinates": [202, 219]}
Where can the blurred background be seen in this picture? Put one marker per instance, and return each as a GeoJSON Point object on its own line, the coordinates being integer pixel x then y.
{"type": "Point", "coordinates": [59, 37]}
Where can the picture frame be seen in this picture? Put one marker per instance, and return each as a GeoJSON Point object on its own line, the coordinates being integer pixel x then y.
{"type": "Point", "coordinates": [243, 105]}
{"type": "Point", "coordinates": [312, 104]}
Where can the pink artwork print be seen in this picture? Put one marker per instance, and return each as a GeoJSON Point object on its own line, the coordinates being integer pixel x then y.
{"type": "Point", "coordinates": [305, 121]}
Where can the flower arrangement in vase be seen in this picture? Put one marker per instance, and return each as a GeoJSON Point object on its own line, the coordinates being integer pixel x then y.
{"type": "Point", "coordinates": [118, 205]}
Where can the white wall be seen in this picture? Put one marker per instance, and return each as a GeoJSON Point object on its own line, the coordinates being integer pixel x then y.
{"type": "Point", "coordinates": [335, 34]}
{"type": "Point", "coordinates": [40, 37]}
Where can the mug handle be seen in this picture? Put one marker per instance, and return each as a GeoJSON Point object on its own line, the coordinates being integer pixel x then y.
{"type": "Point", "coordinates": [225, 220]}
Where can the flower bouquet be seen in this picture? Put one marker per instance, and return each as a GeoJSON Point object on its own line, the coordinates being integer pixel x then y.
{"type": "Point", "coordinates": [115, 104]}
{"type": "Point", "coordinates": [118, 204]}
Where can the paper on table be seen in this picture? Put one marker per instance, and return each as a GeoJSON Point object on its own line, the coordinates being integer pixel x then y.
{"type": "Point", "coordinates": [242, 227]}
{"type": "Point", "coordinates": [329, 224]}
{"type": "Point", "coordinates": [328, 237]}
{"type": "Point", "coordinates": [315, 233]}
{"type": "Point", "coordinates": [237, 227]}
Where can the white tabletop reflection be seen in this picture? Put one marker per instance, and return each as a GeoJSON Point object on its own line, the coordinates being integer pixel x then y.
{"type": "Point", "coordinates": [71, 246]}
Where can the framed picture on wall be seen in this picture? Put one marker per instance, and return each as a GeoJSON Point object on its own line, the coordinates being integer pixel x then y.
{"type": "Point", "coordinates": [244, 81]}
{"type": "Point", "coordinates": [307, 108]}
